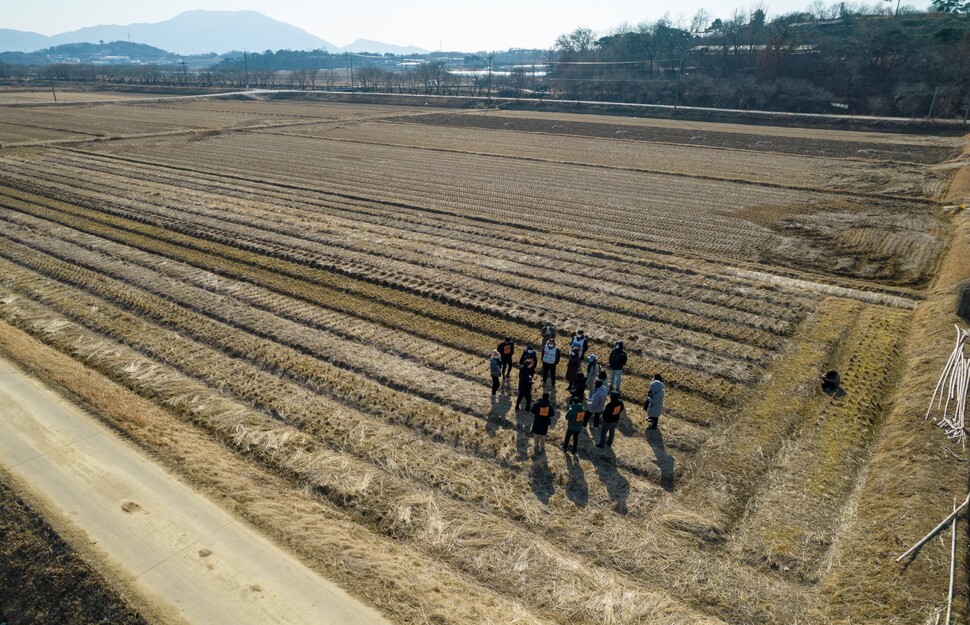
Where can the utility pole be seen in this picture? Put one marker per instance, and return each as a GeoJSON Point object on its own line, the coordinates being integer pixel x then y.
{"type": "Point", "coordinates": [50, 77]}
{"type": "Point", "coordinates": [350, 61]}
{"type": "Point", "coordinates": [489, 105]}
{"type": "Point", "coordinates": [246, 65]}
{"type": "Point", "coordinates": [185, 75]}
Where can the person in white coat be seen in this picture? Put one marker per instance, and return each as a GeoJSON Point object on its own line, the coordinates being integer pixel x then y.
{"type": "Point", "coordinates": [655, 401]}
{"type": "Point", "coordinates": [592, 372]}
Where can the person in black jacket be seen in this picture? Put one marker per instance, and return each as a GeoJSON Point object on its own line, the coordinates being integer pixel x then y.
{"type": "Point", "coordinates": [543, 413]}
{"type": "Point", "coordinates": [526, 371]}
{"type": "Point", "coordinates": [611, 417]}
{"type": "Point", "coordinates": [529, 353]}
{"type": "Point", "coordinates": [618, 360]}
{"type": "Point", "coordinates": [506, 348]}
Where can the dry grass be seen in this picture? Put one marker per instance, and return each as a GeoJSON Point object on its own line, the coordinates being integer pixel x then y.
{"type": "Point", "coordinates": [910, 482]}
{"type": "Point", "coordinates": [373, 568]}
{"type": "Point", "coordinates": [312, 343]}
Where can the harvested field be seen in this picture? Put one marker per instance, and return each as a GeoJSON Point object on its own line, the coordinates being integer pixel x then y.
{"type": "Point", "coordinates": [314, 290]}
{"type": "Point", "coordinates": [862, 145]}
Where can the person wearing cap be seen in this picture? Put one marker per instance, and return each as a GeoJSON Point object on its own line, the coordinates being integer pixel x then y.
{"type": "Point", "coordinates": [597, 404]}
{"type": "Point", "coordinates": [495, 367]}
{"type": "Point", "coordinates": [574, 423]}
{"type": "Point", "coordinates": [655, 401]}
{"type": "Point", "coordinates": [618, 360]}
{"type": "Point", "coordinates": [542, 412]}
{"type": "Point", "coordinates": [550, 358]}
{"type": "Point", "coordinates": [507, 349]}
{"type": "Point", "coordinates": [526, 371]}
{"type": "Point", "coordinates": [611, 417]}
{"type": "Point", "coordinates": [592, 372]}
{"type": "Point", "coordinates": [580, 341]}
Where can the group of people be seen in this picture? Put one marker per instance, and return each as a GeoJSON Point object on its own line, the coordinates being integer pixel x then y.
{"type": "Point", "coordinates": [584, 374]}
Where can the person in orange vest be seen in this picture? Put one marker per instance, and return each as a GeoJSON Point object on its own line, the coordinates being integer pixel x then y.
{"type": "Point", "coordinates": [574, 423]}
{"type": "Point", "coordinates": [611, 417]}
{"type": "Point", "coordinates": [506, 348]}
{"type": "Point", "coordinates": [543, 412]}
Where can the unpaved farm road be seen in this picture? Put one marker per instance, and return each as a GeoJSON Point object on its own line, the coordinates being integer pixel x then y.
{"type": "Point", "coordinates": [181, 554]}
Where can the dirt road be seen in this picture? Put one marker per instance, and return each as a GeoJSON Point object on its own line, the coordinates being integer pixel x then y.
{"type": "Point", "coordinates": [173, 548]}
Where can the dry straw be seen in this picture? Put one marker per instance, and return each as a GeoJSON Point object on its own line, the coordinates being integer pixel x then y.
{"type": "Point", "coordinates": [952, 386]}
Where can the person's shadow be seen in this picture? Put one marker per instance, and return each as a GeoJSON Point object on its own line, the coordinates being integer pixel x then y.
{"type": "Point", "coordinates": [523, 432]}
{"type": "Point", "coordinates": [501, 413]}
{"type": "Point", "coordinates": [617, 486]}
{"type": "Point", "coordinates": [664, 460]}
{"type": "Point", "coordinates": [541, 479]}
{"type": "Point", "coordinates": [577, 490]}
{"type": "Point", "coordinates": [834, 392]}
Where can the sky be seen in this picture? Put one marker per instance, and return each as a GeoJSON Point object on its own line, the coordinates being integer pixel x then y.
{"type": "Point", "coordinates": [430, 24]}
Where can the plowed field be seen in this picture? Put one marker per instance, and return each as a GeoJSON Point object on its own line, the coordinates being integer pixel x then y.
{"type": "Point", "coordinates": [317, 288]}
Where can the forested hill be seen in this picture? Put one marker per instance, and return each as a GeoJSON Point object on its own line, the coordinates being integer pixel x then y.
{"type": "Point", "coordinates": [820, 63]}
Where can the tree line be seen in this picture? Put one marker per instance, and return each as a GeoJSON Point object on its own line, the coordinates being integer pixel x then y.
{"type": "Point", "coordinates": [866, 59]}
{"type": "Point", "coordinates": [882, 59]}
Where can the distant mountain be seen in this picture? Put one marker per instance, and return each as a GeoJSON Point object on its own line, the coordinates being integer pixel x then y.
{"type": "Point", "coordinates": [191, 32]}
{"type": "Point", "coordinates": [21, 41]}
{"type": "Point", "coordinates": [367, 45]}
{"type": "Point", "coordinates": [200, 32]}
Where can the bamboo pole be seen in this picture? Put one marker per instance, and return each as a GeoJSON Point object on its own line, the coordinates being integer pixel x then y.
{"type": "Point", "coordinates": [935, 529]}
{"type": "Point", "coordinates": [953, 562]}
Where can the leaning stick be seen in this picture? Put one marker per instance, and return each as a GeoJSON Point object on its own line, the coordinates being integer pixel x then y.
{"type": "Point", "coordinates": [953, 562]}
{"type": "Point", "coordinates": [935, 529]}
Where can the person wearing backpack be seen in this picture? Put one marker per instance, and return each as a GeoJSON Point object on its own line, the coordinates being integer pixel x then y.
{"type": "Point", "coordinates": [654, 405]}
{"type": "Point", "coordinates": [611, 417]}
{"type": "Point", "coordinates": [574, 423]}
{"type": "Point", "coordinates": [495, 367]}
{"type": "Point", "coordinates": [618, 360]}
{"type": "Point", "coordinates": [543, 413]}
{"type": "Point", "coordinates": [597, 404]}
{"type": "Point", "coordinates": [506, 348]}
{"type": "Point", "coordinates": [550, 358]}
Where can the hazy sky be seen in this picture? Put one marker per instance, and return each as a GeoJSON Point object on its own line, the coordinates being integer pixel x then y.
{"type": "Point", "coordinates": [452, 25]}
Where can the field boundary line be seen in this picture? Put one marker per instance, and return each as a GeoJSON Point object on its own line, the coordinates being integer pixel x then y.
{"type": "Point", "coordinates": [644, 170]}
{"type": "Point", "coordinates": [868, 297]}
